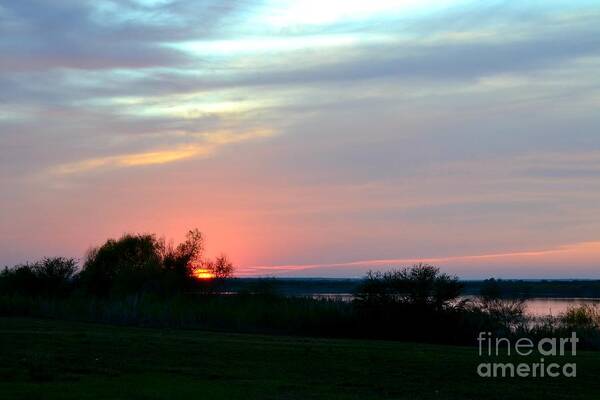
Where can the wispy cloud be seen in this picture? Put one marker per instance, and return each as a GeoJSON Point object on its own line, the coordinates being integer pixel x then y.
{"type": "Point", "coordinates": [205, 148]}
{"type": "Point", "coordinates": [574, 251]}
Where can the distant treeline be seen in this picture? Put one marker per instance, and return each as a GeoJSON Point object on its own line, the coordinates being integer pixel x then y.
{"type": "Point", "coordinates": [511, 288]}
{"type": "Point", "coordinates": [508, 288]}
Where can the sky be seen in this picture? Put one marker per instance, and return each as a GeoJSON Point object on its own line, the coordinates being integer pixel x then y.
{"type": "Point", "coordinates": [303, 137]}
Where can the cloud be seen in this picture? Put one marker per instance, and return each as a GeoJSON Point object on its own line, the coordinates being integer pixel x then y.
{"type": "Point", "coordinates": [160, 156]}
{"type": "Point", "coordinates": [448, 59]}
{"type": "Point", "coordinates": [563, 255]}
{"type": "Point", "coordinates": [102, 35]}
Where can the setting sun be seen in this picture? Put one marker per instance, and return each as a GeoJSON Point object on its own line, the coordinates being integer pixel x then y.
{"type": "Point", "coordinates": [202, 273]}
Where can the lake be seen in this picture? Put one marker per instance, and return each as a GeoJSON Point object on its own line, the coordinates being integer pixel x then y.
{"type": "Point", "coordinates": [541, 307]}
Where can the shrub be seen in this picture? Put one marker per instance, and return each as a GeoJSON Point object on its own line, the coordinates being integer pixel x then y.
{"type": "Point", "coordinates": [56, 274]}
{"type": "Point", "coordinates": [584, 316]}
{"type": "Point", "coordinates": [414, 303]}
{"type": "Point", "coordinates": [506, 314]}
{"type": "Point", "coordinates": [47, 277]}
{"type": "Point", "coordinates": [20, 279]}
{"type": "Point", "coordinates": [420, 285]}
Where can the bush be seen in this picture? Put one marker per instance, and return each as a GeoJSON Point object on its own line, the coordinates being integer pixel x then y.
{"type": "Point", "coordinates": [414, 303]}
{"type": "Point", "coordinates": [585, 316]}
{"type": "Point", "coordinates": [506, 315]}
{"type": "Point", "coordinates": [47, 277]}
{"type": "Point", "coordinates": [421, 285]}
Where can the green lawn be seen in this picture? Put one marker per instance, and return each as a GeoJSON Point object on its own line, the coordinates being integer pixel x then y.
{"type": "Point", "coordinates": [49, 359]}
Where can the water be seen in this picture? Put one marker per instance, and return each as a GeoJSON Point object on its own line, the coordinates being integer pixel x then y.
{"type": "Point", "coordinates": [535, 307]}
{"type": "Point", "coordinates": [542, 307]}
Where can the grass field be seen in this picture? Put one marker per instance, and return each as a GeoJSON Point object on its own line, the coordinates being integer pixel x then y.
{"type": "Point", "coordinates": [50, 359]}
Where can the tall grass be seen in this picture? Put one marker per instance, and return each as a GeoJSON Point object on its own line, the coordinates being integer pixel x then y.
{"type": "Point", "coordinates": [584, 320]}
{"type": "Point", "coordinates": [252, 314]}
{"type": "Point", "coordinates": [243, 313]}
{"type": "Point", "coordinates": [300, 316]}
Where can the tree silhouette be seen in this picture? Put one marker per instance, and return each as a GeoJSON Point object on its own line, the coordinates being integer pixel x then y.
{"type": "Point", "coordinates": [124, 265]}
{"type": "Point", "coordinates": [182, 259]}
{"type": "Point", "coordinates": [47, 277]}
{"type": "Point", "coordinates": [221, 268]}
{"type": "Point", "coordinates": [420, 285]}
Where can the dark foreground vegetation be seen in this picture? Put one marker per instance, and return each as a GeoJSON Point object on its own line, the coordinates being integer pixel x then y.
{"type": "Point", "coordinates": [50, 359]}
{"type": "Point", "coordinates": [143, 281]}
